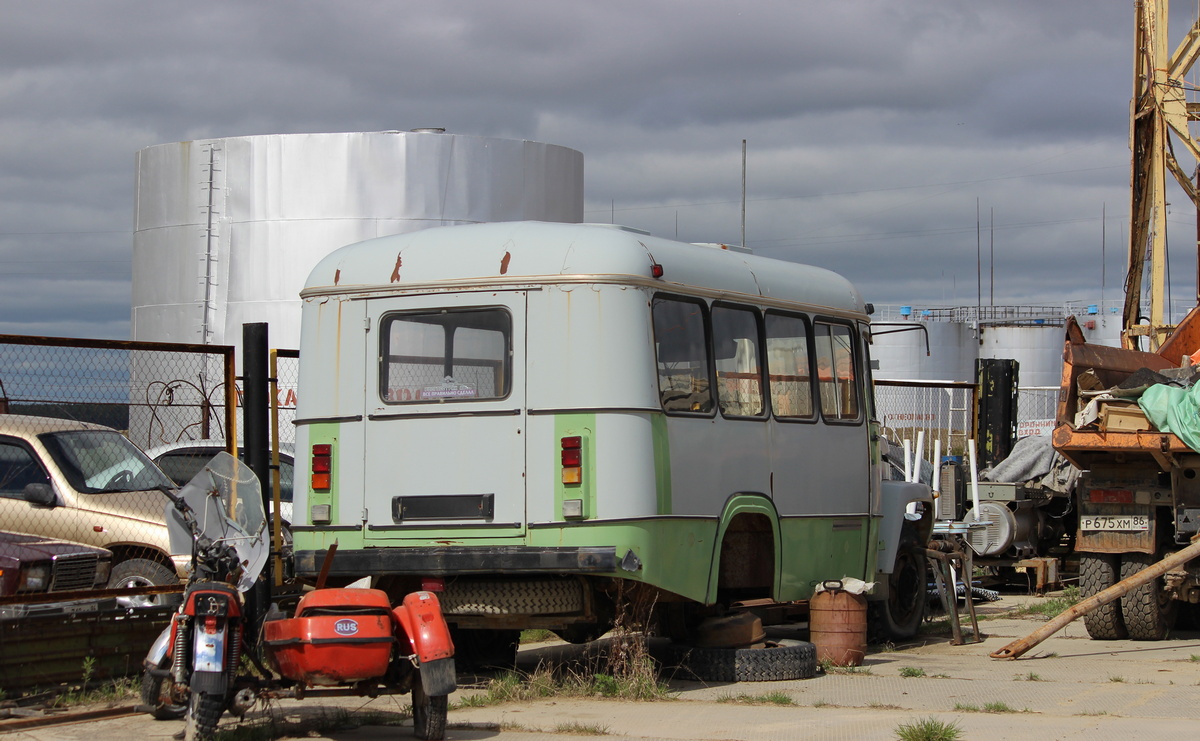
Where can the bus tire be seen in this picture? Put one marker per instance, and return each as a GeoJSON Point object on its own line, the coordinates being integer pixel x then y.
{"type": "Point", "coordinates": [899, 616]}
{"type": "Point", "coordinates": [775, 662]}
{"type": "Point", "coordinates": [1097, 572]}
{"type": "Point", "coordinates": [1149, 610]}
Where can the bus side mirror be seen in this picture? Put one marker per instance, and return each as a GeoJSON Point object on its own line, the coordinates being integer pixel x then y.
{"type": "Point", "coordinates": [39, 495]}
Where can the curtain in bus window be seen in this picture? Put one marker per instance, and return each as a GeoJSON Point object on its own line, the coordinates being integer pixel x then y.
{"type": "Point", "coordinates": [835, 371]}
{"type": "Point", "coordinates": [682, 353]}
{"type": "Point", "coordinates": [735, 345]}
{"type": "Point", "coordinates": [446, 356]}
{"type": "Point", "coordinates": [788, 366]}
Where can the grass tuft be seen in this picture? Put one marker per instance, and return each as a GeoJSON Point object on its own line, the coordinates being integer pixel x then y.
{"type": "Point", "coordinates": [912, 671]}
{"type": "Point", "coordinates": [928, 729]}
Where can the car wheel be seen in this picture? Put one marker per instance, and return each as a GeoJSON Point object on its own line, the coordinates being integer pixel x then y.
{"type": "Point", "coordinates": [141, 572]}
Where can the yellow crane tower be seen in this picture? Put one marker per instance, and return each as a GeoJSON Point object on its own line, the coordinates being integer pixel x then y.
{"type": "Point", "coordinates": [1159, 108]}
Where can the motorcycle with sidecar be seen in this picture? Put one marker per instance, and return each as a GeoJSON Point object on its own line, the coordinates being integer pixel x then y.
{"type": "Point", "coordinates": [337, 641]}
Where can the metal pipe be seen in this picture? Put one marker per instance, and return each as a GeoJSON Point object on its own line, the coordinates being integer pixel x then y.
{"type": "Point", "coordinates": [1115, 592]}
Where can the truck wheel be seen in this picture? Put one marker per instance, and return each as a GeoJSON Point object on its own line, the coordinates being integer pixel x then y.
{"type": "Point", "coordinates": [141, 572]}
{"type": "Point", "coordinates": [429, 713]}
{"type": "Point", "coordinates": [1149, 611]}
{"type": "Point", "coordinates": [899, 616]}
{"type": "Point", "coordinates": [1097, 572]}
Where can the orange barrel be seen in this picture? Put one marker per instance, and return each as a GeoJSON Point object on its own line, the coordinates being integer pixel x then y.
{"type": "Point", "coordinates": [837, 625]}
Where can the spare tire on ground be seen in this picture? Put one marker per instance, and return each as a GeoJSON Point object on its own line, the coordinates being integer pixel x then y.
{"type": "Point", "coordinates": [773, 662]}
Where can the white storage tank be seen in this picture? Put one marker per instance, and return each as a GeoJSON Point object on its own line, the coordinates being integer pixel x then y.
{"type": "Point", "coordinates": [226, 230]}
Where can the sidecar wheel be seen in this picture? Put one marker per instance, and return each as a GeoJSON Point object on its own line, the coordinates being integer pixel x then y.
{"type": "Point", "coordinates": [429, 713]}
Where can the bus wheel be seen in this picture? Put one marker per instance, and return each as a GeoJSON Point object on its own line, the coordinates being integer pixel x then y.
{"type": "Point", "coordinates": [775, 661]}
{"type": "Point", "coordinates": [899, 616]}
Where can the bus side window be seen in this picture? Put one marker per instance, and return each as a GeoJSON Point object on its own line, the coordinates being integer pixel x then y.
{"type": "Point", "coordinates": [835, 372]}
{"type": "Point", "coordinates": [788, 366]}
{"type": "Point", "coordinates": [739, 374]}
{"type": "Point", "coordinates": [682, 352]}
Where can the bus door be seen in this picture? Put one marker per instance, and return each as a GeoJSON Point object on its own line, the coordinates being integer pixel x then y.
{"type": "Point", "coordinates": [445, 423]}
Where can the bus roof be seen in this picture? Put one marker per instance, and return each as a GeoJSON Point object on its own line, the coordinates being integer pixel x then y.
{"type": "Point", "coordinates": [531, 252]}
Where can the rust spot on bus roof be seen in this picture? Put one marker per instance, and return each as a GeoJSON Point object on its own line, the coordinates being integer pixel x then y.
{"type": "Point", "coordinates": [396, 271]}
{"type": "Point", "coordinates": [337, 275]}
{"type": "Point", "coordinates": [504, 263]}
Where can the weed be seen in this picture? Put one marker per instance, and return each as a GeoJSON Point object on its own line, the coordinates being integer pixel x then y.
{"type": "Point", "coordinates": [1194, 657]}
{"type": "Point", "coordinates": [883, 706]}
{"type": "Point", "coordinates": [1030, 677]}
{"type": "Point", "coordinates": [536, 635]}
{"type": "Point", "coordinates": [849, 670]}
{"type": "Point", "coordinates": [991, 707]}
{"type": "Point", "coordinates": [912, 671]}
{"type": "Point", "coordinates": [768, 698]}
{"type": "Point", "coordinates": [1117, 679]}
{"type": "Point", "coordinates": [1050, 606]}
{"type": "Point", "coordinates": [928, 729]}
{"type": "Point", "coordinates": [581, 729]}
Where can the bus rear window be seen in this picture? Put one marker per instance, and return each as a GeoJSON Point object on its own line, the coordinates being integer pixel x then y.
{"type": "Point", "coordinates": [446, 355]}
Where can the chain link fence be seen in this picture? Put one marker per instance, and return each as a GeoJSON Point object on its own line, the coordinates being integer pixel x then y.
{"type": "Point", "coordinates": [945, 411]}
{"type": "Point", "coordinates": [62, 477]}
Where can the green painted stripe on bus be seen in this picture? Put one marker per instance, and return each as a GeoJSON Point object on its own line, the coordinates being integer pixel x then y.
{"type": "Point", "coordinates": [662, 462]}
{"type": "Point", "coordinates": [584, 426]}
{"type": "Point", "coordinates": [817, 549]}
{"type": "Point", "coordinates": [326, 433]}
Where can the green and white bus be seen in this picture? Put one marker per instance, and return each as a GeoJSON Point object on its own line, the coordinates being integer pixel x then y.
{"type": "Point", "coordinates": [532, 417]}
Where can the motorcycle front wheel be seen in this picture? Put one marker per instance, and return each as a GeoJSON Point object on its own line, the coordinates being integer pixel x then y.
{"type": "Point", "coordinates": [203, 713]}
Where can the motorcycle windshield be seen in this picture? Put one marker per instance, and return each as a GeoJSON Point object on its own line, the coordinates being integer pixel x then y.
{"type": "Point", "coordinates": [226, 501]}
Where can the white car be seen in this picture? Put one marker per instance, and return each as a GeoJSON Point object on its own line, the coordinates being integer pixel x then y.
{"type": "Point", "coordinates": [183, 460]}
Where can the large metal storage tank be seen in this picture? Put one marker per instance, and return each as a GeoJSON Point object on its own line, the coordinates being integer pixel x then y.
{"type": "Point", "coordinates": [226, 230]}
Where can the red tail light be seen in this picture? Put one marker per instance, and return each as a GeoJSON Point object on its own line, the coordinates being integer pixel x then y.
{"type": "Point", "coordinates": [322, 467]}
{"type": "Point", "coordinates": [572, 460]}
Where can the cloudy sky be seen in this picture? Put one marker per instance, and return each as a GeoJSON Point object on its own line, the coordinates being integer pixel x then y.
{"type": "Point", "coordinates": [876, 129]}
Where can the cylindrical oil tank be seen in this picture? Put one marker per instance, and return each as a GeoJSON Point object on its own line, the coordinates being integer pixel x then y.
{"type": "Point", "coordinates": [900, 349]}
{"type": "Point", "coordinates": [227, 230]}
{"type": "Point", "coordinates": [1037, 348]}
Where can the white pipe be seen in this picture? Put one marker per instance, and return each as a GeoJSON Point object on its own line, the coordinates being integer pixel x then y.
{"type": "Point", "coordinates": [907, 459]}
{"type": "Point", "coordinates": [936, 482]}
{"type": "Point", "coordinates": [918, 457]}
{"type": "Point", "coordinates": [974, 478]}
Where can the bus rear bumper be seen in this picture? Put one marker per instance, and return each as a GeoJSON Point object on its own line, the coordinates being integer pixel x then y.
{"type": "Point", "coordinates": [454, 560]}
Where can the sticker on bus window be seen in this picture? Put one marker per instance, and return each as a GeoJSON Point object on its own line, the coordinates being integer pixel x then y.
{"type": "Point", "coordinates": [448, 389]}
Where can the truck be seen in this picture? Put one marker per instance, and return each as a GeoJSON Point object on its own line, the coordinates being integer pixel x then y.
{"type": "Point", "coordinates": [1138, 497]}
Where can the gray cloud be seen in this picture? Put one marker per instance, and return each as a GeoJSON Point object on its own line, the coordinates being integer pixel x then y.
{"type": "Point", "coordinates": [874, 127]}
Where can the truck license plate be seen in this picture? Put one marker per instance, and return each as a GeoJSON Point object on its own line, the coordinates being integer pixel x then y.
{"type": "Point", "coordinates": [1114, 522]}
